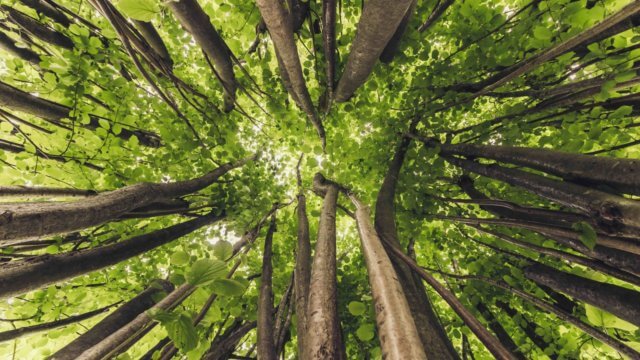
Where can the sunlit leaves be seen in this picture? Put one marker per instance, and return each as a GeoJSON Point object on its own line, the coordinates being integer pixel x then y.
{"type": "Point", "coordinates": [143, 10]}
{"type": "Point", "coordinates": [205, 271]}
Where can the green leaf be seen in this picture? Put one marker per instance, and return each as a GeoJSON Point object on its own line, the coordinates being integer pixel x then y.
{"type": "Point", "coordinates": [602, 318]}
{"type": "Point", "coordinates": [228, 287]}
{"type": "Point", "coordinates": [179, 258]}
{"type": "Point", "coordinates": [182, 332]}
{"type": "Point", "coordinates": [365, 332]}
{"type": "Point", "coordinates": [587, 236]}
{"type": "Point", "coordinates": [143, 10]}
{"type": "Point", "coordinates": [205, 271]}
{"type": "Point", "coordinates": [542, 33]}
{"type": "Point", "coordinates": [222, 250]}
{"type": "Point", "coordinates": [357, 308]}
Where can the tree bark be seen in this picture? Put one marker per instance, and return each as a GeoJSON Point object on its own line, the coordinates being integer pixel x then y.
{"type": "Point", "coordinates": [38, 30]}
{"type": "Point", "coordinates": [323, 325]}
{"type": "Point", "coordinates": [151, 36]}
{"type": "Point", "coordinates": [222, 348]}
{"type": "Point", "coordinates": [378, 23]}
{"type": "Point", "coordinates": [30, 220]}
{"type": "Point", "coordinates": [193, 19]}
{"type": "Point", "coordinates": [499, 331]}
{"type": "Point", "coordinates": [622, 302]}
{"type": "Point", "coordinates": [46, 9]}
{"type": "Point", "coordinates": [329, 42]}
{"type": "Point", "coordinates": [110, 324]}
{"type": "Point", "coordinates": [437, 12]}
{"type": "Point", "coordinates": [432, 335]}
{"type": "Point", "coordinates": [280, 25]}
{"type": "Point", "coordinates": [18, 277]}
{"type": "Point", "coordinates": [302, 268]}
{"type": "Point", "coordinates": [393, 46]}
{"type": "Point", "coordinates": [9, 45]}
{"type": "Point", "coordinates": [266, 329]}
{"type": "Point", "coordinates": [529, 328]}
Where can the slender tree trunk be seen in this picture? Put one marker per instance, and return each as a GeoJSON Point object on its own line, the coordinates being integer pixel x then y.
{"type": "Point", "coordinates": [119, 318]}
{"type": "Point", "coordinates": [151, 36]}
{"type": "Point", "coordinates": [223, 346]}
{"type": "Point", "coordinates": [622, 302]}
{"type": "Point", "coordinates": [18, 277]}
{"type": "Point", "coordinates": [303, 268]}
{"type": "Point", "coordinates": [46, 9]}
{"type": "Point", "coordinates": [437, 12]}
{"type": "Point", "coordinates": [527, 326]}
{"type": "Point", "coordinates": [378, 23]}
{"type": "Point", "coordinates": [393, 46]}
{"type": "Point", "coordinates": [434, 339]}
{"type": "Point", "coordinates": [323, 325]}
{"type": "Point", "coordinates": [266, 328]}
{"type": "Point", "coordinates": [329, 41]}
{"type": "Point", "coordinates": [9, 45]}
{"type": "Point", "coordinates": [280, 25]}
{"type": "Point", "coordinates": [38, 30]}
{"type": "Point", "coordinates": [19, 332]}
{"type": "Point", "coordinates": [29, 220]}
{"type": "Point", "coordinates": [193, 19]}
{"type": "Point", "coordinates": [498, 329]}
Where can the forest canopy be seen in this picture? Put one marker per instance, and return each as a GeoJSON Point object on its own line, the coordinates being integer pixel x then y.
{"type": "Point", "coordinates": [405, 179]}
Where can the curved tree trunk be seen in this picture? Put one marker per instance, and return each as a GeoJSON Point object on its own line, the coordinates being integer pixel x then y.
{"type": "Point", "coordinates": [18, 277]}
{"type": "Point", "coordinates": [193, 19]}
{"type": "Point", "coordinates": [119, 318]}
{"type": "Point", "coordinates": [54, 218]}
{"type": "Point", "coordinates": [432, 335]}
{"type": "Point", "coordinates": [266, 329]}
{"type": "Point", "coordinates": [323, 325]}
{"type": "Point", "coordinates": [378, 23]}
{"type": "Point", "coordinates": [622, 302]}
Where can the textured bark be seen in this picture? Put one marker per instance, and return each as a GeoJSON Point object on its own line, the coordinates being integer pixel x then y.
{"type": "Point", "coordinates": [611, 212]}
{"type": "Point", "coordinates": [151, 36]}
{"type": "Point", "coordinates": [437, 12]}
{"type": "Point", "coordinates": [378, 23]}
{"type": "Point", "coordinates": [493, 345]}
{"type": "Point", "coordinates": [622, 302]}
{"type": "Point", "coordinates": [29, 220]}
{"type": "Point", "coordinates": [432, 335]}
{"type": "Point", "coordinates": [114, 321]}
{"type": "Point", "coordinates": [302, 269]}
{"type": "Point", "coordinates": [223, 346]}
{"type": "Point", "coordinates": [193, 19]}
{"type": "Point", "coordinates": [329, 41]}
{"type": "Point", "coordinates": [9, 45]}
{"type": "Point", "coordinates": [38, 30]}
{"type": "Point", "coordinates": [46, 9]}
{"type": "Point", "coordinates": [54, 113]}
{"type": "Point", "coordinates": [266, 329]}
{"type": "Point", "coordinates": [393, 46]}
{"type": "Point", "coordinates": [498, 330]}
{"type": "Point", "coordinates": [280, 25]}
{"type": "Point", "coordinates": [121, 340]}
{"type": "Point", "coordinates": [18, 277]}
{"type": "Point", "coordinates": [19, 332]}
{"type": "Point", "coordinates": [323, 325]}
{"type": "Point", "coordinates": [621, 174]}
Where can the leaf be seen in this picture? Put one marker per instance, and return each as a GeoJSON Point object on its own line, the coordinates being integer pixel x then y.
{"type": "Point", "coordinates": [183, 333]}
{"type": "Point", "coordinates": [228, 287]}
{"type": "Point", "coordinates": [587, 236]}
{"type": "Point", "coordinates": [179, 258]}
{"type": "Point", "coordinates": [365, 332]}
{"type": "Point", "coordinates": [143, 10]}
{"type": "Point", "coordinates": [222, 250]}
{"type": "Point", "coordinates": [205, 271]}
{"type": "Point", "coordinates": [357, 308]}
{"type": "Point", "coordinates": [602, 318]}
{"type": "Point", "coordinates": [542, 33]}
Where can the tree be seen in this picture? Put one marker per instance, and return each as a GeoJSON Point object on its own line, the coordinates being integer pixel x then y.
{"type": "Point", "coordinates": [319, 179]}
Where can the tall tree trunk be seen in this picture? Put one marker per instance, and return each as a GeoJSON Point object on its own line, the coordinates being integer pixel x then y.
{"type": "Point", "coordinates": [499, 330]}
{"type": "Point", "coordinates": [438, 11]}
{"type": "Point", "coordinates": [378, 23]}
{"type": "Point", "coordinates": [19, 100]}
{"type": "Point", "coordinates": [266, 328]}
{"type": "Point", "coordinates": [434, 339]}
{"type": "Point", "coordinates": [46, 9]}
{"type": "Point", "coordinates": [527, 326]}
{"type": "Point", "coordinates": [9, 45]}
{"type": "Point", "coordinates": [119, 318]}
{"type": "Point", "coordinates": [18, 277]}
{"type": "Point", "coordinates": [38, 30]}
{"type": "Point", "coordinates": [323, 325]}
{"type": "Point", "coordinates": [29, 220]}
{"type": "Point", "coordinates": [222, 347]}
{"type": "Point", "coordinates": [329, 41]}
{"type": "Point", "coordinates": [193, 19]}
{"type": "Point", "coordinates": [622, 302]}
{"type": "Point", "coordinates": [393, 46]}
{"type": "Point", "coordinates": [302, 268]}
{"type": "Point", "coordinates": [151, 36]}
{"type": "Point", "coordinates": [280, 25]}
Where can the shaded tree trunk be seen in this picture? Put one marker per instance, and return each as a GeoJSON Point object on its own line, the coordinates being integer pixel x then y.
{"type": "Point", "coordinates": [498, 330]}
{"type": "Point", "coordinates": [9, 45]}
{"type": "Point", "coordinates": [266, 329]}
{"type": "Point", "coordinates": [46, 9]}
{"type": "Point", "coordinates": [302, 268]}
{"type": "Point", "coordinates": [119, 318]}
{"type": "Point", "coordinates": [329, 41]}
{"type": "Point", "coordinates": [223, 346]}
{"type": "Point", "coordinates": [437, 12]}
{"type": "Point", "coordinates": [38, 30]}
{"type": "Point", "coordinates": [528, 327]}
{"type": "Point", "coordinates": [393, 46]}
{"type": "Point", "coordinates": [151, 36]}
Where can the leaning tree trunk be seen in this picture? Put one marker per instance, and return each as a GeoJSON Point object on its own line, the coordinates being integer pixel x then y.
{"type": "Point", "coordinates": [432, 335]}
{"type": "Point", "coordinates": [151, 36]}
{"type": "Point", "coordinates": [280, 25]}
{"type": "Point", "coordinates": [393, 46]}
{"type": "Point", "coordinates": [617, 300]}
{"type": "Point", "coordinates": [18, 277]}
{"type": "Point", "coordinates": [323, 325]}
{"type": "Point", "coordinates": [9, 45]}
{"type": "Point", "coordinates": [38, 30]}
{"type": "Point", "coordinates": [302, 268]}
{"type": "Point", "coordinates": [29, 220]}
{"type": "Point", "coordinates": [266, 345]}
{"type": "Point", "coordinates": [378, 23]}
{"type": "Point", "coordinates": [223, 346]}
{"type": "Point", "coordinates": [110, 324]}
{"type": "Point", "coordinates": [527, 326]}
{"type": "Point", "coordinates": [499, 330]}
{"type": "Point", "coordinates": [43, 7]}
{"type": "Point", "coordinates": [193, 18]}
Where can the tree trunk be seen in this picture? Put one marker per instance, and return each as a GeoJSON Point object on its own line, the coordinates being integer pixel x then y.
{"type": "Point", "coordinates": [378, 23]}
{"type": "Point", "coordinates": [434, 339]}
{"type": "Point", "coordinates": [437, 12]}
{"type": "Point", "coordinates": [193, 19]}
{"type": "Point", "coordinates": [302, 268]}
{"type": "Point", "coordinates": [18, 277]}
{"type": "Point", "coordinates": [498, 329]}
{"type": "Point", "coordinates": [266, 328]}
{"type": "Point", "coordinates": [30, 220]}
{"type": "Point", "coordinates": [622, 302]}
{"type": "Point", "coordinates": [323, 325]}
{"type": "Point", "coordinates": [110, 324]}
{"type": "Point", "coordinates": [529, 328]}
{"type": "Point", "coordinates": [9, 45]}
{"type": "Point", "coordinates": [222, 347]}
{"type": "Point", "coordinates": [35, 28]}
{"type": "Point", "coordinates": [46, 9]}
{"type": "Point", "coordinates": [35, 192]}
{"type": "Point", "coordinates": [393, 46]}
{"type": "Point", "coordinates": [329, 41]}
{"type": "Point", "coordinates": [280, 25]}
{"type": "Point", "coordinates": [151, 36]}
